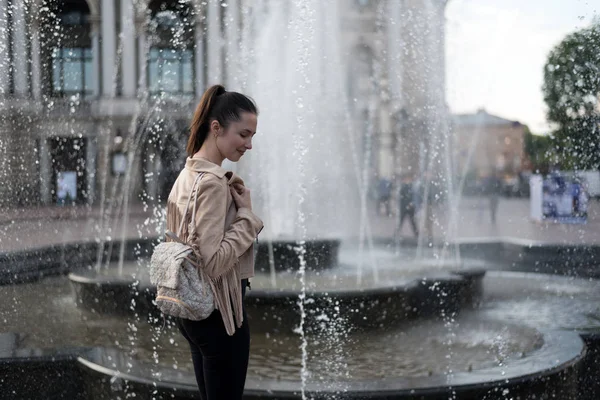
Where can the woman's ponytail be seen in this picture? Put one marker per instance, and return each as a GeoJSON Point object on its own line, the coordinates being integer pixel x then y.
{"type": "Point", "coordinates": [200, 123]}
{"type": "Point", "coordinates": [216, 104]}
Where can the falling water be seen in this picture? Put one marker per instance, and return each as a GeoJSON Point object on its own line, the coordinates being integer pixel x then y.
{"type": "Point", "coordinates": [458, 191]}
{"type": "Point", "coordinates": [306, 19]}
{"type": "Point", "coordinates": [364, 218]}
{"type": "Point", "coordinates": [300, 162]}
{"type": "Point", "coordinates": [105, 209]}
{"type": "Point", "coordinates": [273, 164]}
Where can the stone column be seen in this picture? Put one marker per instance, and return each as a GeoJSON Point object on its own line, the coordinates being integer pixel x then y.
{"type": "Point", "coordinates": [414, 86]}
{"type": "Point", "coordinates": [4, 67]}
{"type": "Point", "coordinates": [395, 70]}
{"type": "Point", "coordinates": [36, 70]}
{"type": "Point", "coordinates": [96, 58]}
{"type": "Point", "coordinates": [247, 33]}
{"type": "Point", "coordinates": [20, 51]}
{"type": "Point", "coordinates": [214, 62]}
{"type": "Point", "coordinates": [395, 46]}
{"type": "Point", "coordinates": [232, 45]}
{"type": "Point", "coordinates": [386, 142]}
{"type": "Point", "coordinates": [45, 172]}
{"type": "Point", "coordinates": [143, 49]}
{"type": "Point", "coordinates": [108, 48]}
{"type": "Point", "coordinates": [91, 151]}
{"type": "Point", "coordinates": [434, 83]}
{"type": "Point", "coordinates": [199, 61]}
{"type": "Point", "coordinates": [128, 40]}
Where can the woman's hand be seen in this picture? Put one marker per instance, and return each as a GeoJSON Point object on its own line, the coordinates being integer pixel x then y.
{"type": "Point", "coordinates": [241, 196]}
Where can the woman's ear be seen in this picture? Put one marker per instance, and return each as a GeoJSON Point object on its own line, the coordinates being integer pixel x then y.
{"type": "Point", "coordinates": [215, 127]}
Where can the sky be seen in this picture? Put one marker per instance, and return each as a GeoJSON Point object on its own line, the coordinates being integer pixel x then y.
{"type": "Point", "coordinates": [496, 51]}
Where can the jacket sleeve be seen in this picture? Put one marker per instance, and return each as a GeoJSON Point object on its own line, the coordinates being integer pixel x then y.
{"type": "Point", "coordinates": [221, 249]}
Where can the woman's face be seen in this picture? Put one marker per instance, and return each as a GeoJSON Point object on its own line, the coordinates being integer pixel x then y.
{"type": "Point", "coordinates": [237, 138]}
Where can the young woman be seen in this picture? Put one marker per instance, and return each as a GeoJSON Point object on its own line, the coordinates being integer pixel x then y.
{"type": "Point", "coordinates": [223, 235]}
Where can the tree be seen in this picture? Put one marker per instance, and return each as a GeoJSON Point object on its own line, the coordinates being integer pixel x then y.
{"type": "Point", "coordinates": [572, 93]}
{"type": "Point", "coordinates": [539, 150]}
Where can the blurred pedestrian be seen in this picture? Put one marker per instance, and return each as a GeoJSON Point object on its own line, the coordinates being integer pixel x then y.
{"type": "Point", "coordinates": [494, 190]}
{"type": "Point", "coordinates": [407, 204]}
{"type": "Point", "coordinates": [384, 191]}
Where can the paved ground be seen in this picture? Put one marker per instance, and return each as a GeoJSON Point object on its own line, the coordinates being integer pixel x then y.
{"type": "Point", "coordinates": [473, 220]}
{"type": "Point", "coordinates": [37, 227]}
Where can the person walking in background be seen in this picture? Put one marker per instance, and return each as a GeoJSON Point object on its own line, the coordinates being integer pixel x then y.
{"type": "Point", "coordinates": [407, 204]}
{"type": "Point", "coordinates": [494, 189]}
{"type": "Point", "coordinates": [575, 195]}
{"type": "Point", "coordinates": [384, 192]}
{"type": "Point", "coordinates": [482, 193]}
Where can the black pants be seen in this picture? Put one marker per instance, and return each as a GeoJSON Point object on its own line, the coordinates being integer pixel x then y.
{"type": "Point", "coordinates": [410, 214]}
{"type": "Point", "coordinates": [220, 361]}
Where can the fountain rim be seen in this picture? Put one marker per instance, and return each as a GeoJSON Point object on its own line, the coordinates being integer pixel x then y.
{"type": "Point", "coordinates": [561, 350]}
{"type": "Point", "coordinates": [68, 257]}
{"type": "Point", "coordinates": [452, 276]}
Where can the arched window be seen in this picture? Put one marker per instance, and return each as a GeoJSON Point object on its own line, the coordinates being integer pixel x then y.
{"type": "Point", "coordinates": [171, 58]}
{"type": "Point", "coordinates": [67, 48]}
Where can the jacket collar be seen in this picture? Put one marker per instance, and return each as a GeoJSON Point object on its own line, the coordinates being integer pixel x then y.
{"type": "Point", "coordinates": [203, 165]}
{"type": "Point", "coordinates": [199, 164]}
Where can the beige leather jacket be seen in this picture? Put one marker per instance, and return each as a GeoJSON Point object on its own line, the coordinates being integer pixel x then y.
{"type": "Point", "coordinates": [222, 235]}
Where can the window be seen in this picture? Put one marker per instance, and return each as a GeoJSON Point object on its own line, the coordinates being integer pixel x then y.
{"type": "Point", "coordinates": [71, 71]}
{"type": "Point", "coordinates": [171, 71]}
{"type": "Point", "coordinates": [67, 49]}
{"type": "Point", "coordinates": [73, 18]}
{"type": "Point", "coordinates": [171, 58]}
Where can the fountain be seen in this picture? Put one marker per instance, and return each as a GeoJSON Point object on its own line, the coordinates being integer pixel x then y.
{"type": "Point", "coordinates": [334, 313]}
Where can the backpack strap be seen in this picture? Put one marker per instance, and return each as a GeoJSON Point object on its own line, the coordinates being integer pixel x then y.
{"type": "Point", "coordinates": [187, 206]}
{"type": "Point", "coordinates": [173, 237]}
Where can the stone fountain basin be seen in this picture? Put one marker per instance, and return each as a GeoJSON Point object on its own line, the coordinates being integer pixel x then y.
{"type": "Point", "coordinates": [551, 371]}
{"type": "Point", "coordinates": [105, 373]}
{"type": "Point", "coordinates": [320, 254]}
{"type": "Point", "coordinates": [397, 297]}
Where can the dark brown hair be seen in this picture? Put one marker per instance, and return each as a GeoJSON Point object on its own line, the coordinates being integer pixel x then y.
{"type": "Point", "coordinates": [220, 105]}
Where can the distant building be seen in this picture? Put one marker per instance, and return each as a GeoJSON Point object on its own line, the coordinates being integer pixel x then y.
{"type": "Point", "coordinates": [484, 143]}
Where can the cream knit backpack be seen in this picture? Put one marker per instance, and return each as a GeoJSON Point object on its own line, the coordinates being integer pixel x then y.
{"type": "Point", "coordinates": [182, 288]}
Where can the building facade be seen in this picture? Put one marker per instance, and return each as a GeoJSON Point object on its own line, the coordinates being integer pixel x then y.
{"type": "Point", "coordinates": [92, 91]}
{"type": "Point", "coordinates": [486, 144]}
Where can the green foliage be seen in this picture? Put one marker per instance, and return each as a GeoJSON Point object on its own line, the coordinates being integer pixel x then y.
{"type": "Point", "coordinates": [539, 149]}
{"type": "Point", "coordinates": [572, 94]}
